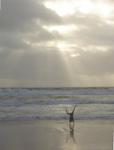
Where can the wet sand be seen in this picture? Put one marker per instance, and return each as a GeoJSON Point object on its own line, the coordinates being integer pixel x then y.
{"type": "Point", "coordinates": [55, 135]}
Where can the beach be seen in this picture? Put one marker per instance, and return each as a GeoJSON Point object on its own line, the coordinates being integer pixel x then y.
{"type": "Point", "coordinates": [55, 135]}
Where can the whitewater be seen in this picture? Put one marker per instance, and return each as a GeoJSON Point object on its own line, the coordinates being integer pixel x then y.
{"type": "Point", "coordinates": [50, 103]}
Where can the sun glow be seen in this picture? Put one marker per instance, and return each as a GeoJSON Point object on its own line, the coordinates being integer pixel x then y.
{"type": "Point", "coordinates": [105, 10]}
{"type": "Point", "coordinates": [62, 8]}
{"type": "Point", "coordinates": [62, 46]}
{"type": "Point", "coordinates": [85, 6]}
{"type": "Point", "coordinates": [75, 55]}
{"type": "Point", "coordinates": [67, 8]}
{"type": "Point", "coordinates": [62, 29]}
{"type": "Point", "coordinates": [66, 47]}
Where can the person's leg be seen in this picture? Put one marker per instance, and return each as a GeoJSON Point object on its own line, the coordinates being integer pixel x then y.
{"type": "Point", "coordinates": [71, 125]}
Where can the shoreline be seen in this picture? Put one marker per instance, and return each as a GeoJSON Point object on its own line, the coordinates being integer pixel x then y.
{"type": "Point", "coordinates": [57, 120]}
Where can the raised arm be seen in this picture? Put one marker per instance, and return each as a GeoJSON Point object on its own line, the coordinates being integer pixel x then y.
{"type": "Point", "coordinates": [74, 109]}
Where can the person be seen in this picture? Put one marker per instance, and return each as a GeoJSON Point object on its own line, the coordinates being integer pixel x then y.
{"type": "Point", "coordinates": [71, 118]}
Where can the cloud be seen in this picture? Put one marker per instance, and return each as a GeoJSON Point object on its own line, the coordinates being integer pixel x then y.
{"type": "Point", "coordinates": [30, 55]}
{"type": "Point", "coordinates": [15, 14]}
{"type": "Point", "coordinates": [22, 21]}
{"type": "Point", "coordinates": [91, 30]}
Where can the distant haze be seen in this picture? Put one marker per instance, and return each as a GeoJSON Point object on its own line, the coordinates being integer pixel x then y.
{"type": "Point", "coordinates": [56, 43]}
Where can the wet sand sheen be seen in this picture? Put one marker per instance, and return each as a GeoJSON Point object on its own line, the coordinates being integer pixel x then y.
{"type": "Point", "coordinates": [55, 135]}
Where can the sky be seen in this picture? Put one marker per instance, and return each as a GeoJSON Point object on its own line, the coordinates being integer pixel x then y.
{"type": "Point", "coordinates": [56, 43]}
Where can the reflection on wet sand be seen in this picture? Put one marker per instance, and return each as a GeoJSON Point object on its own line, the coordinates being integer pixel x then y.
{"type": "Point", "coordinates": [71, 135]}
{"type": "Point", "coordinates": [70, 143]}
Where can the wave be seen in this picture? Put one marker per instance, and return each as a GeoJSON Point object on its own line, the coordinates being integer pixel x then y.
{"type": "Point", "coordinates": [50, 103]}
{"type": "Point", "coordinates": [56, 91]}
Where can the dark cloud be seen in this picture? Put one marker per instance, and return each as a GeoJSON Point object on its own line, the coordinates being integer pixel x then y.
{"type": "Point", "coordinates": [17, 13]}
{"type": "Point", "coordinates": [22, 20]}
{"type": "Point", "coordinates": [12, 42]}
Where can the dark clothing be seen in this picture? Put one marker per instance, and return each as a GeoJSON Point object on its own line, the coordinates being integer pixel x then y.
{"type": "Point", "coordinates": [71, 114]}
{"type": "Point", "coordinates": [71, 119]}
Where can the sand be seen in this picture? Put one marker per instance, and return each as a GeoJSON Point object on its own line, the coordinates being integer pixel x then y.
{"type": "Point", "coordinates": [55, 135]}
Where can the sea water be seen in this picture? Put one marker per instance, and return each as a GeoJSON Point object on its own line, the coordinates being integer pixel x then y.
{"type": "Point", "coordinates": [50, 103]}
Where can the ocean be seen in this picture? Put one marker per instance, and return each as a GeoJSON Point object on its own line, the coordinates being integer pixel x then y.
{"type": "Point", "coordinates": [50, 103]}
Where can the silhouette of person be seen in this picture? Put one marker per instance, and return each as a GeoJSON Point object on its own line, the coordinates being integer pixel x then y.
{"type": "Point", "coordinates": [71, 118]}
